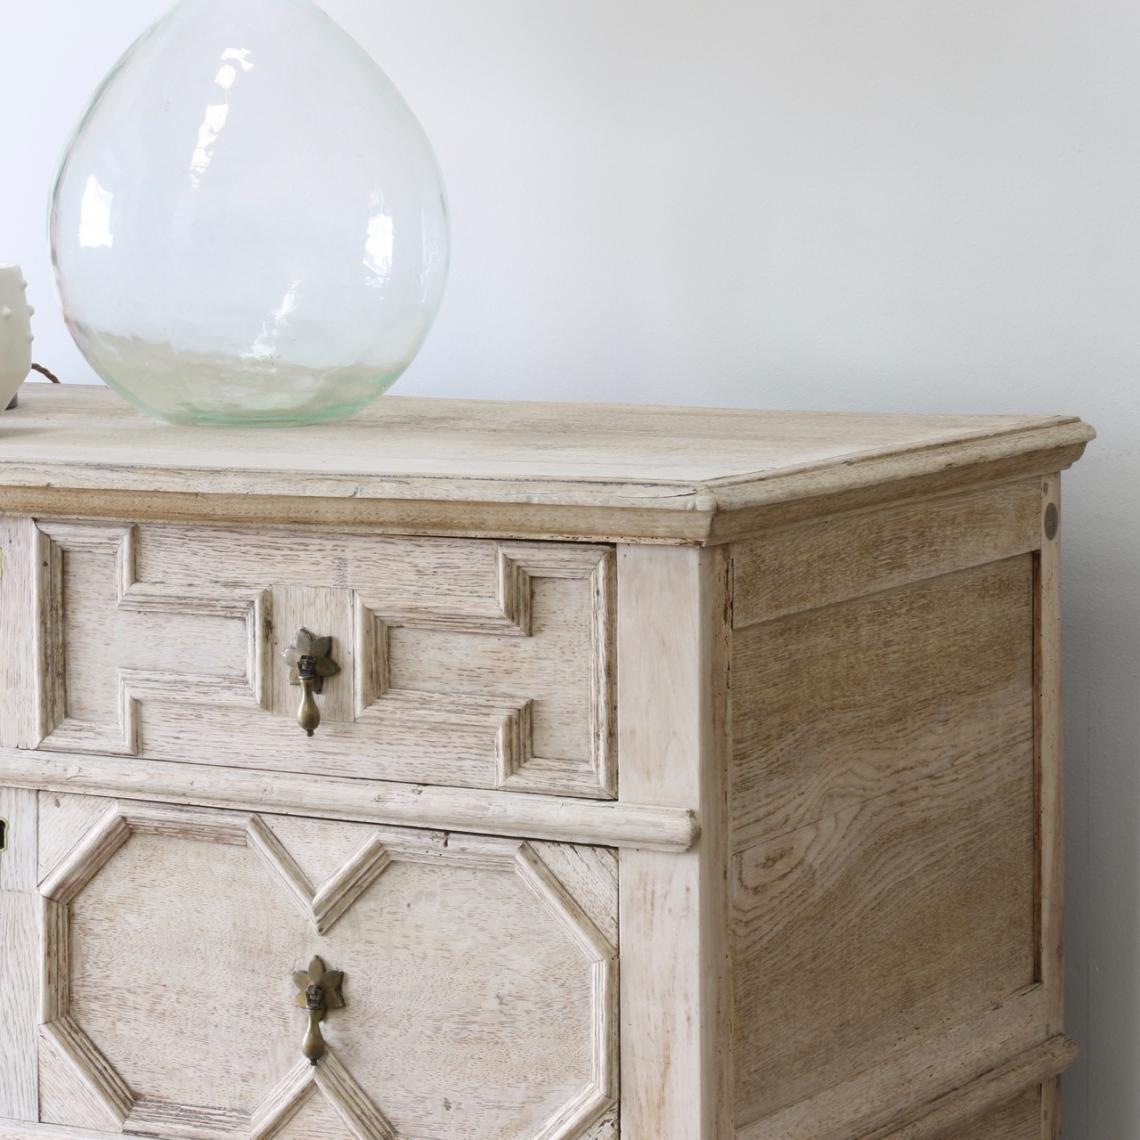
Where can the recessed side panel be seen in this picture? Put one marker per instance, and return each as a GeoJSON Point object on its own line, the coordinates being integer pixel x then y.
{"type": "Point", "coordinates": [884, 873]}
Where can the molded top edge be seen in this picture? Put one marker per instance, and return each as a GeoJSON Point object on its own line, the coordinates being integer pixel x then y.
{"type": "Point", "coordinates": [564, 466]}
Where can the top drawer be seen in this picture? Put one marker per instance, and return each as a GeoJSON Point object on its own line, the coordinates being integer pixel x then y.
{"type": "Point", "coordinates": [461, 662]}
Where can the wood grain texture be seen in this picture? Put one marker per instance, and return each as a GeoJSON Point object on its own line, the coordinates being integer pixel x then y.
{"type": "Point", "coordinates": [114, 641]}
{"type": "Point", "coordinates": [1020, 1119]}
{"type": "Point", "coordinates": [482, 994]}
{"type": "Point", "coordinates": [19, 809]}
{"type": "Point", "coordinates": [673, 630]}
{"type": "Point", "coordinates": [20, 987]}
{"type": "Point", "coordinates": [319, 852]}
{"type": "Point", "coordinates": [329, 1083]}
{"type": "Point", "coordinates": [1051, 1115]}
{"type": "Point", "coordinates": [490, 663]}
{"type": "Point", "coordinates": [185, 1122]}
{"type": "Point", "coordinates": [607, 823]}
{"type": "Point", "coordinates": [67, 819]}
{"type": "Point", "coordinates": [17, 1130]}
{"type": "Point", "coordinates": [912, 1080]}
{"type": "Point", "coordinates": [291, 1096]}
{"type": "Point", "coordinates": [888, 888]}
{"type": "Point", "coordinates": [836, 706]}
{"type": "Point", "coordinates": [830, 860]}
{"type": "Point", "coordinates": [19, 962]}
{"type": "Point", "coordinates": [22, 648]}
{"type": "Point", "coordinates": [465, 467]}
{"type": "Point", "coordinates": [96, 1087]}
{"type": "Point", "coordinates": [1008, 1096]}
{"type": "Point", "coordinates": [316, 1119]}
{"type": "Point", "coordinates": [67, 1098]}
{"type": "Point", "coordinates": [814, 565]}
{"type": "Point", "coordinates": [849, 933]}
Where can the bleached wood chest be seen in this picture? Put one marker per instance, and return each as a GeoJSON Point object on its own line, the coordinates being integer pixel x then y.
{"type": "Point", "coordinates": [525, 772]}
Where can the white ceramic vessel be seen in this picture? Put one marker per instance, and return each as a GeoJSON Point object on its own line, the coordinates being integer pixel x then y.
{"type": "Point", "coordinates": [15, 332]}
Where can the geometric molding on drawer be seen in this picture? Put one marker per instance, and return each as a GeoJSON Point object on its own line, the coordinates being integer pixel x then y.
{"type": "Point", "coordinates": [79, 1088]}
{"type": "Point", "coordinates": [498, 648]}
{"type": "Point", "coordinates": [330, 1078]}
{"type": "Point", "coordinates": [464, 662]}
{"type": "Point", "coordinates": [87, 1091]}
{"type": "Point", "coordinates": [608, 1128]}
{"type": "Point", "coordinates": [114, 683]}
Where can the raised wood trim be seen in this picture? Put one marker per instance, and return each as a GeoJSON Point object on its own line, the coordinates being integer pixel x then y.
{"type": "Point", "coordinates": [705, 476]}
{"type": "Point", "coordinates": [86, 858]}
{"type": "Point", "coordinates": [875, 487]}
{"type": "Point", "coordinates": [823, 562]}
{"type": "Point", "coordinates": [70, 1046]}
{"type": "Point", "coordinates": [943, 1118]}
{"type": "Point", "coordinates": [22, 648]}
{"type": "Point", "coordinates": [692, 517]}
{"type": "Point", "coordinates": [1049, 746]}
{"type": "Point", "coordinates": [486, 708]}
{"type": "Point", "coordinates": [676, 1000]}
{"type": "Point", "coordinates": [873, 1099]}
{"type": "Point", "coordinates": [331, 1079]}
{"type": "Point", "coordinates": [107, 834]}
{"type": "Point", "coordinates": [155, 1118]}
{"type": "Point", "coordinates": [590, 822]}
{"type": "Point", "coordinates": [322, 907]}
{"type": "Point", "coordinates": [58, 732]}
{"type": "Point", "coordinates": [518, 767]}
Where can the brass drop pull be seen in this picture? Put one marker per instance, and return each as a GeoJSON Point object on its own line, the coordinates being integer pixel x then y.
{"type": "Point", "coordinates": [311, 661]}
{"type": "Point", "coordinates": [319, 990]}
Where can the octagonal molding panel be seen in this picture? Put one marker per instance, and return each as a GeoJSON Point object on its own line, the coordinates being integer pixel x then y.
{"type": "Point", "coordinates": [480, 978]}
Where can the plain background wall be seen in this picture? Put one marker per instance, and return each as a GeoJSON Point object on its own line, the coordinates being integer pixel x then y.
{"type": "Point", "coordinates": [878, 204]}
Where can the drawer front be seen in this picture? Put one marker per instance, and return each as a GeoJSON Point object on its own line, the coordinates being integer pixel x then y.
{"type": "Point", "coordinates": [461, 662]}
{"type": "Point", "coordinates": [181, 948]}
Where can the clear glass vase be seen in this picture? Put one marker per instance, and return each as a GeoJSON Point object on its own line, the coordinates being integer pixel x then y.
{"type": "Point", "coordinates": [250, 225]}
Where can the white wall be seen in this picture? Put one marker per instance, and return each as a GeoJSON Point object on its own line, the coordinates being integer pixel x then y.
{"type": "Point", "coordinates": [820, 203]}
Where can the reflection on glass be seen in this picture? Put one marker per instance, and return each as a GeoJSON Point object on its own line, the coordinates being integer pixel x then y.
{"type": "Point", "coordinates": [250, 224]}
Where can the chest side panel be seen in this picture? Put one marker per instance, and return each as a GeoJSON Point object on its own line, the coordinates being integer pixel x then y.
{"type": "Point", "coordinates": [886, 888]}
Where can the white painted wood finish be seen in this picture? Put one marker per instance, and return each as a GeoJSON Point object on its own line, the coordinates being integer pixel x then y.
{"type": "Point", "coordinates": [735, 818]}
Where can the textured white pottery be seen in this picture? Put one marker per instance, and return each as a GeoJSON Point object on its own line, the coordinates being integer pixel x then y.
{"type": "Point", "coordinates": [15, 332]}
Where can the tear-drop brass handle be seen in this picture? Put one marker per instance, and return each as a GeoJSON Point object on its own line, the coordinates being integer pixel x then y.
{"type": "Point", "coordinates": [319, 990]}
{"type": "Point", "coordinates": [311, 659]}
{"type": "Point", "coordinates": [309, 714]}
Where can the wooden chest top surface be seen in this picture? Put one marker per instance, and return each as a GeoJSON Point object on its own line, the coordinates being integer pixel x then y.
{"type": "Point", "coordinates": [526, 469]}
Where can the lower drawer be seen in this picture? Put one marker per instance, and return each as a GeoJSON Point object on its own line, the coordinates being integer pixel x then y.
{"type": "Point", "coordinates": [468, 989]}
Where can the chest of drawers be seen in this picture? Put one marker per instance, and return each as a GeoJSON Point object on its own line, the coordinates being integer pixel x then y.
{"type": "Point", "coordinates": [660, 775]}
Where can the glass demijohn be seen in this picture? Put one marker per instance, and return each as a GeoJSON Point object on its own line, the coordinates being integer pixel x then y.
{"type": "Point", "coordinates": [250, 225]}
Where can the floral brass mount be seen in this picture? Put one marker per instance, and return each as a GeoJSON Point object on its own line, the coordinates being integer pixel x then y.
{"type": "Point", "coordinates": [319, 990]}
{"type": "Point", "coordinates": [311, 661]}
